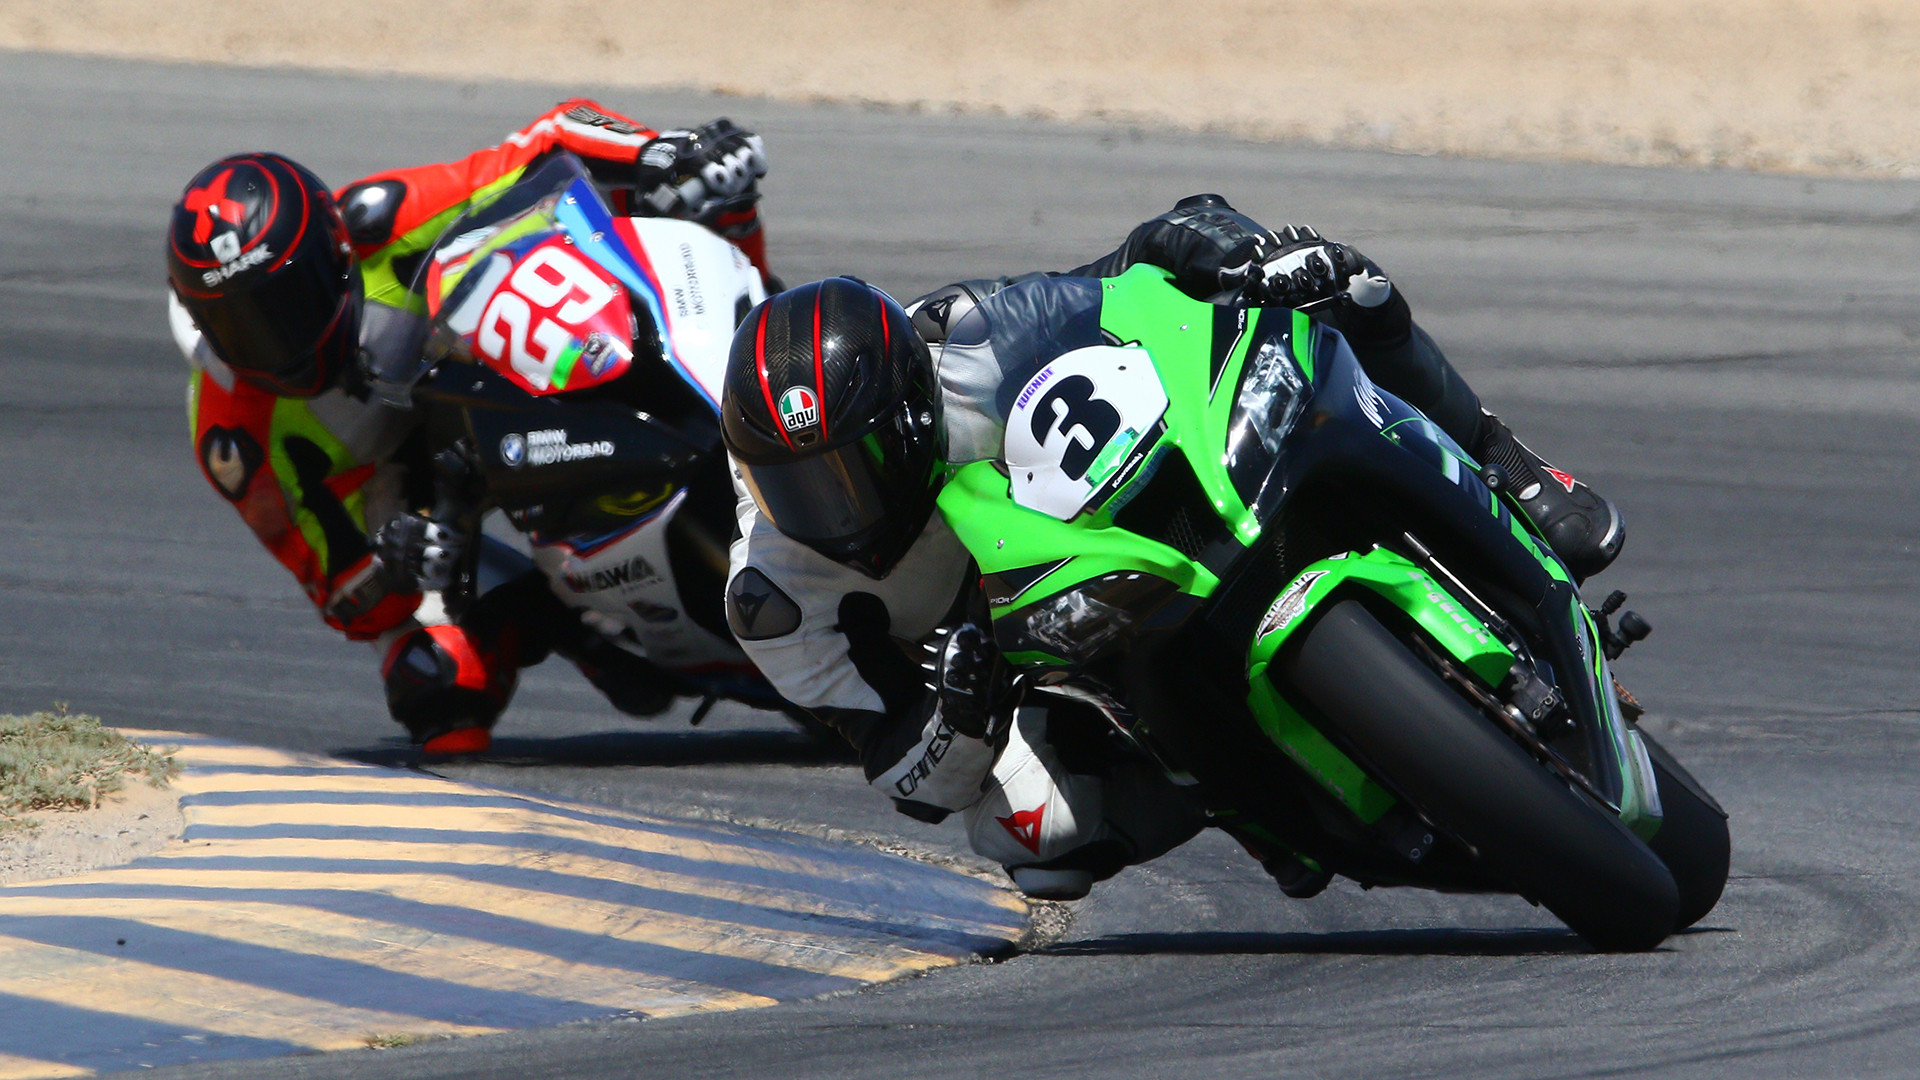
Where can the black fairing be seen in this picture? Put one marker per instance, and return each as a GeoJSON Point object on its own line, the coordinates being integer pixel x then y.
{"type": "Point", "coordinates": [1378, 488]}
{"type": "Point", "coordinates": [632, 459]}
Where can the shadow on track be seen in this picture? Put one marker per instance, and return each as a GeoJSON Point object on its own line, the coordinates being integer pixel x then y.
{"type": "Point", "coordinates": [1436, 942]}
{"type": "Point", "coordinates": [1528, 942]}
{"type": "Point", "coordinates": [626, 749]}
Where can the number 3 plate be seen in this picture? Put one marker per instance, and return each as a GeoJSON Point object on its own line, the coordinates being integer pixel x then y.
{"type": "Point", "coordinates": [1075, 423]}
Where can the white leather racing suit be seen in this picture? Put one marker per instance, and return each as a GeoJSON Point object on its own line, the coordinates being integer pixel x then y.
{"type": "Point", "coordinates": [849, 648]}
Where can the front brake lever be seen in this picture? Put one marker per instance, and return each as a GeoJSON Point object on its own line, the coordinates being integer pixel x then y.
{"type": "Point", "coordinates": [1633, 626]}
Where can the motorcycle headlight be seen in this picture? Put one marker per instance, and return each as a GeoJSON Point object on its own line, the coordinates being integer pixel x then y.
{"type": "Point", "coordinates": [1272, 392]}
{"type": "Point", "coordinates": [1085, 621]}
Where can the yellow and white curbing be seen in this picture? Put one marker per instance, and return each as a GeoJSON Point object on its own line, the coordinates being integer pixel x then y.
{"type": "Point", "coordinates": [316, 904]}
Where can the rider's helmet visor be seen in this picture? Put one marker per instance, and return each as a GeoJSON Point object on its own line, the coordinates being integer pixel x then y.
{"type": "Point", "coordinates": [853, 503]}
{"type": "Point", "coordinates": [288, 330]}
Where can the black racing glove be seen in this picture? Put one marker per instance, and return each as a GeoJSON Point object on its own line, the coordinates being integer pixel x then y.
{"type": "Point", "coordinates": [700, 174]}
{"type": "Point", "coordinates": [1207, 245]}
{"type": "Point", "coordinates": [1337, 284]}
{"type": "Point", "coordinates": [969, 678]}
{"type": "Point", "coordinates": [1306, 268]}
{"type": "Point", "coordinates": [418, 554]}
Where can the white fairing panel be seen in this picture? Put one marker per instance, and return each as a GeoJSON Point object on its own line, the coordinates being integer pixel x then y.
{"type": "Point", "coordinates": [1074, 423]}
{"type": "Point", "coordinates": [628, 585]}
{"type": "Point", "coordinates": [703, 280]}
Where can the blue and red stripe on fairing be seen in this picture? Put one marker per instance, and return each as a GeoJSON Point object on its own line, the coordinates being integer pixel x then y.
{"type": "Point", "coordinates": [585, 220]}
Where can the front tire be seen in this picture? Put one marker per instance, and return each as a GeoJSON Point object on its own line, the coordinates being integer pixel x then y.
{"type": "Point", "coordinates": [1693, 840]}
{"type": "Point", "coordinates": [1532, 831]}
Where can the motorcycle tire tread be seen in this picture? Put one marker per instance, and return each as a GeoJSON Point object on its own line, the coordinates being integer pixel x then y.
{"type": "Point", "coordinates": [1693, 839]}
{"type": "Point", "coordinates": [1551, 844]}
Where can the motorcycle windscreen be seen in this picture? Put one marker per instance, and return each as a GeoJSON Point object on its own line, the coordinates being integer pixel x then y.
{"type": "Point", "coordinates": [444, 283]}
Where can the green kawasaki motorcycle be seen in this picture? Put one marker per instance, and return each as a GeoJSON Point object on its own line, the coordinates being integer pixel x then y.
{"type": "Point", "coordinates": [1297, 595]}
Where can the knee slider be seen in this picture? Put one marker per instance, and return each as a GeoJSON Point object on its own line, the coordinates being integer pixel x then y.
{"type": "Point", "coordinates": [437, 680]}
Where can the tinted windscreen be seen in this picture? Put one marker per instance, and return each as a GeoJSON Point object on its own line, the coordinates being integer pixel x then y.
{"type": "Point", "coordinates": [402, 356]}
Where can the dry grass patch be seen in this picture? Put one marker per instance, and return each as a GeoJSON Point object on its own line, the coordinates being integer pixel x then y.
{"type": "Point", "coordinates": [398, 1039]}
{"type": "Point", "coordinates": [59, 760]}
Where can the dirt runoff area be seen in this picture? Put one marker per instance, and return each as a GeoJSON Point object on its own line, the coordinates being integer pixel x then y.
{"type": "Point", "coordinates": [130, 823]}
{"type": "Point", "coordinates": [1813, 86]}
{"type": "Point", "coordinates": [76, 796]}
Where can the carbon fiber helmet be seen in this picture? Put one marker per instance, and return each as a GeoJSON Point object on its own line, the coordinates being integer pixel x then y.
{"type": "Point", "coordinates": [258, 254]}
{"type": "Point", "coordinates": [832, 413]}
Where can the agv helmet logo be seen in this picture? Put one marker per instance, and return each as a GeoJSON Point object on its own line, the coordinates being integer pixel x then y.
{"type": "Point", "coordinates": [799, 408]}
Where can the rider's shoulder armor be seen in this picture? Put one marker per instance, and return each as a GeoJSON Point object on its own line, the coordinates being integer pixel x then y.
{"type": "Point", "coordinates": [935, 314]}
{"type": "Point", "coordinates": [939, 311]}
{"type": "Point", "coordinates": [371, 209]}
{"type": "Point", "coordinates": [759, 610]}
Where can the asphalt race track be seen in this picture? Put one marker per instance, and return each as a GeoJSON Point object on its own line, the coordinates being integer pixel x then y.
{"type": "Point", "coordinates": [1730, 357]}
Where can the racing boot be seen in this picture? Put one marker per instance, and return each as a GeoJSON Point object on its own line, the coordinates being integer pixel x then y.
{"type": "Point", "coordinates": [1298, 876]}
{"type": "Point", "coordinates": [1583, 528]}
{"type": "Point", "coordinates": [633, 684]}
{"type": "Point", "coordinates": [441, 688]}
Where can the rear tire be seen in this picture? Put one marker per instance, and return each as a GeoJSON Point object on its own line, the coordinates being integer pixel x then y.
{"type": "Point", "coordinates": [1693, 840]}
{"type": "Point", "coordinates": [1551, 844]}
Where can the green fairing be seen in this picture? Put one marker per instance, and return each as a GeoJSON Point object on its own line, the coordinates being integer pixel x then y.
{"type": "Point", "coordinates": [1408, 588]}
{"type": "Point", "coordinates": [1412, 590]}
{"type": "Point", "coordinates": [1034, 659]}
{"type": "Point", "coordinates": [1303, 343]}
{"type": "Point", "coordinates": [1323, 761]}
{"type": "Point", "coordinates": [1002, 535]}
{"type": "Point", "coordinates": [1138, 306]}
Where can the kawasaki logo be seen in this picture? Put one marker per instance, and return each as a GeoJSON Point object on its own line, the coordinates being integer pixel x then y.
{"type": "Point", "coordinates": [638, 571]}
{"type": "Point", "coordinates": [1289, 606]}
{"type": "Point", "coordinates": [799, 408]}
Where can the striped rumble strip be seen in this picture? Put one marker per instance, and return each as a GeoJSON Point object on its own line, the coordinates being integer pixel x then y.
{"type": "Point", "coordinates": [316, 904]}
